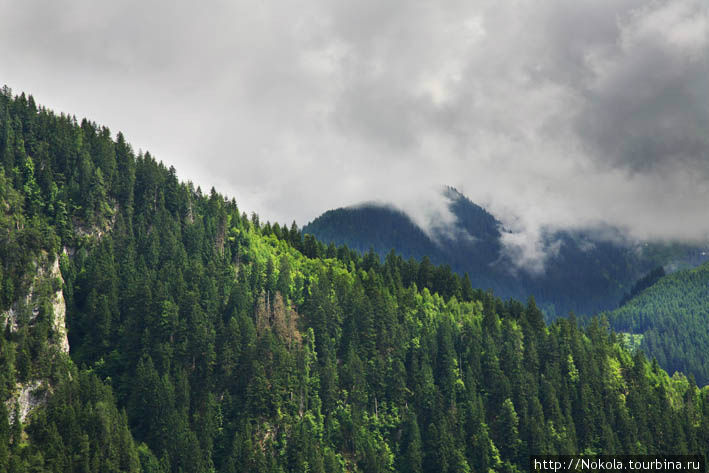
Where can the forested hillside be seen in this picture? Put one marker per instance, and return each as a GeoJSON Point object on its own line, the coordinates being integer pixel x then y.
{"type": "Point", "coordinates": [380, 227]}
{"type": "Point", "coordinates": [672, 316]}
{"type": "Point", "coordinates": [204, 340]}
{"type": "Point", "coordinates": [583, 272]}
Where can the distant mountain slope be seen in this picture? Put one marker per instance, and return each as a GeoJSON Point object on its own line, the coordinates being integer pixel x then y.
{"type": "Point", "coordinates": [584, 274]}
{"type": "Point", "coordinates": [373, 226]}
{"type": "Point", "coordinates": [472, 246]}
{"type": "Point", "coordinates": [673, 317]}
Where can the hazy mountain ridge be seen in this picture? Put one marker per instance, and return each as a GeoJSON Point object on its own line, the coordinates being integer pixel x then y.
{"type": "Point", "coordinates": [584, 271]}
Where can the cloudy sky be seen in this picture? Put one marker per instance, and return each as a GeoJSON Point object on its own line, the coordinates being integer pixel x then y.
{"type": "Point", "coordinates": [551, 113]}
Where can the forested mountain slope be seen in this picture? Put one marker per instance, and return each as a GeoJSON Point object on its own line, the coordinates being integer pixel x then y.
{"type": "Point", "coordinates": [383, 228]}
{"type": "Point", "coordinates": [583, 273]}
{"type": "Point", "coordinates": [204, 340]}
{"type": "Point", "coordinates": [672, 315]}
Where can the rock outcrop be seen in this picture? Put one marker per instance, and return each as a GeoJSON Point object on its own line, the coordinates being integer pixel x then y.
{"type": "Point", "coordinates": [27, 396]}
{"type": "Point", "coordinates": [59, 310]}
{"type": "Point", "coordinates": [47, 281]}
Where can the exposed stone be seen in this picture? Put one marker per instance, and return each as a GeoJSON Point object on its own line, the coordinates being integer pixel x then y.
{"type": "Point", "coordinates": [9, 317]}
{"type": "Point", "coordinates": [31, 301]}
{"type": "Point", "coordinates": [28, 396]}
{"type": "Point", "coordinates": [59, 309]}
{"type": "Point", "coordinates": [33, 393]}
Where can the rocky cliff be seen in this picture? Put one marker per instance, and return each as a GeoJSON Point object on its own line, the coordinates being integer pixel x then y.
{"type": "Point", "coordinates": [46, 290]}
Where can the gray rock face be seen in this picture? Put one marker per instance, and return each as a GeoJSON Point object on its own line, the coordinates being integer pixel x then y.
{"type": "Point", "coordinates": [32, 393]}
{"type": "Point", "coordinates": [31, 300]}
{"type": "Point", "coordinates": [59, 309]}
{"type": "Point", "coordinates": [28, 396]}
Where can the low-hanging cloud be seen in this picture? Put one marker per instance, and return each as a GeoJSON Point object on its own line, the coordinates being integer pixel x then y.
{"type": "Point", "coordinates": [552, 114]}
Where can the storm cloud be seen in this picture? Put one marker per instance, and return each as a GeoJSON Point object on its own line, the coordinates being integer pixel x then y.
{"type": "Point", "coordinates": [552, 114]}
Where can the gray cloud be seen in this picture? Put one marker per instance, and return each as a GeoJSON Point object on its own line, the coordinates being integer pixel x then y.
{"type": "Point", "coordinates": [648, 100]}
{"type": "Point", "coordinates": [552, 114]}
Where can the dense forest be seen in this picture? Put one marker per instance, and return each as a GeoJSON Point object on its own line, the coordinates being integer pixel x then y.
{"type": "Point", "coordinates": [473, 244]}
{"type": "Point", "coordinates": [672, 316]}
{"type": "Point", "coordinates": [204, 340]}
